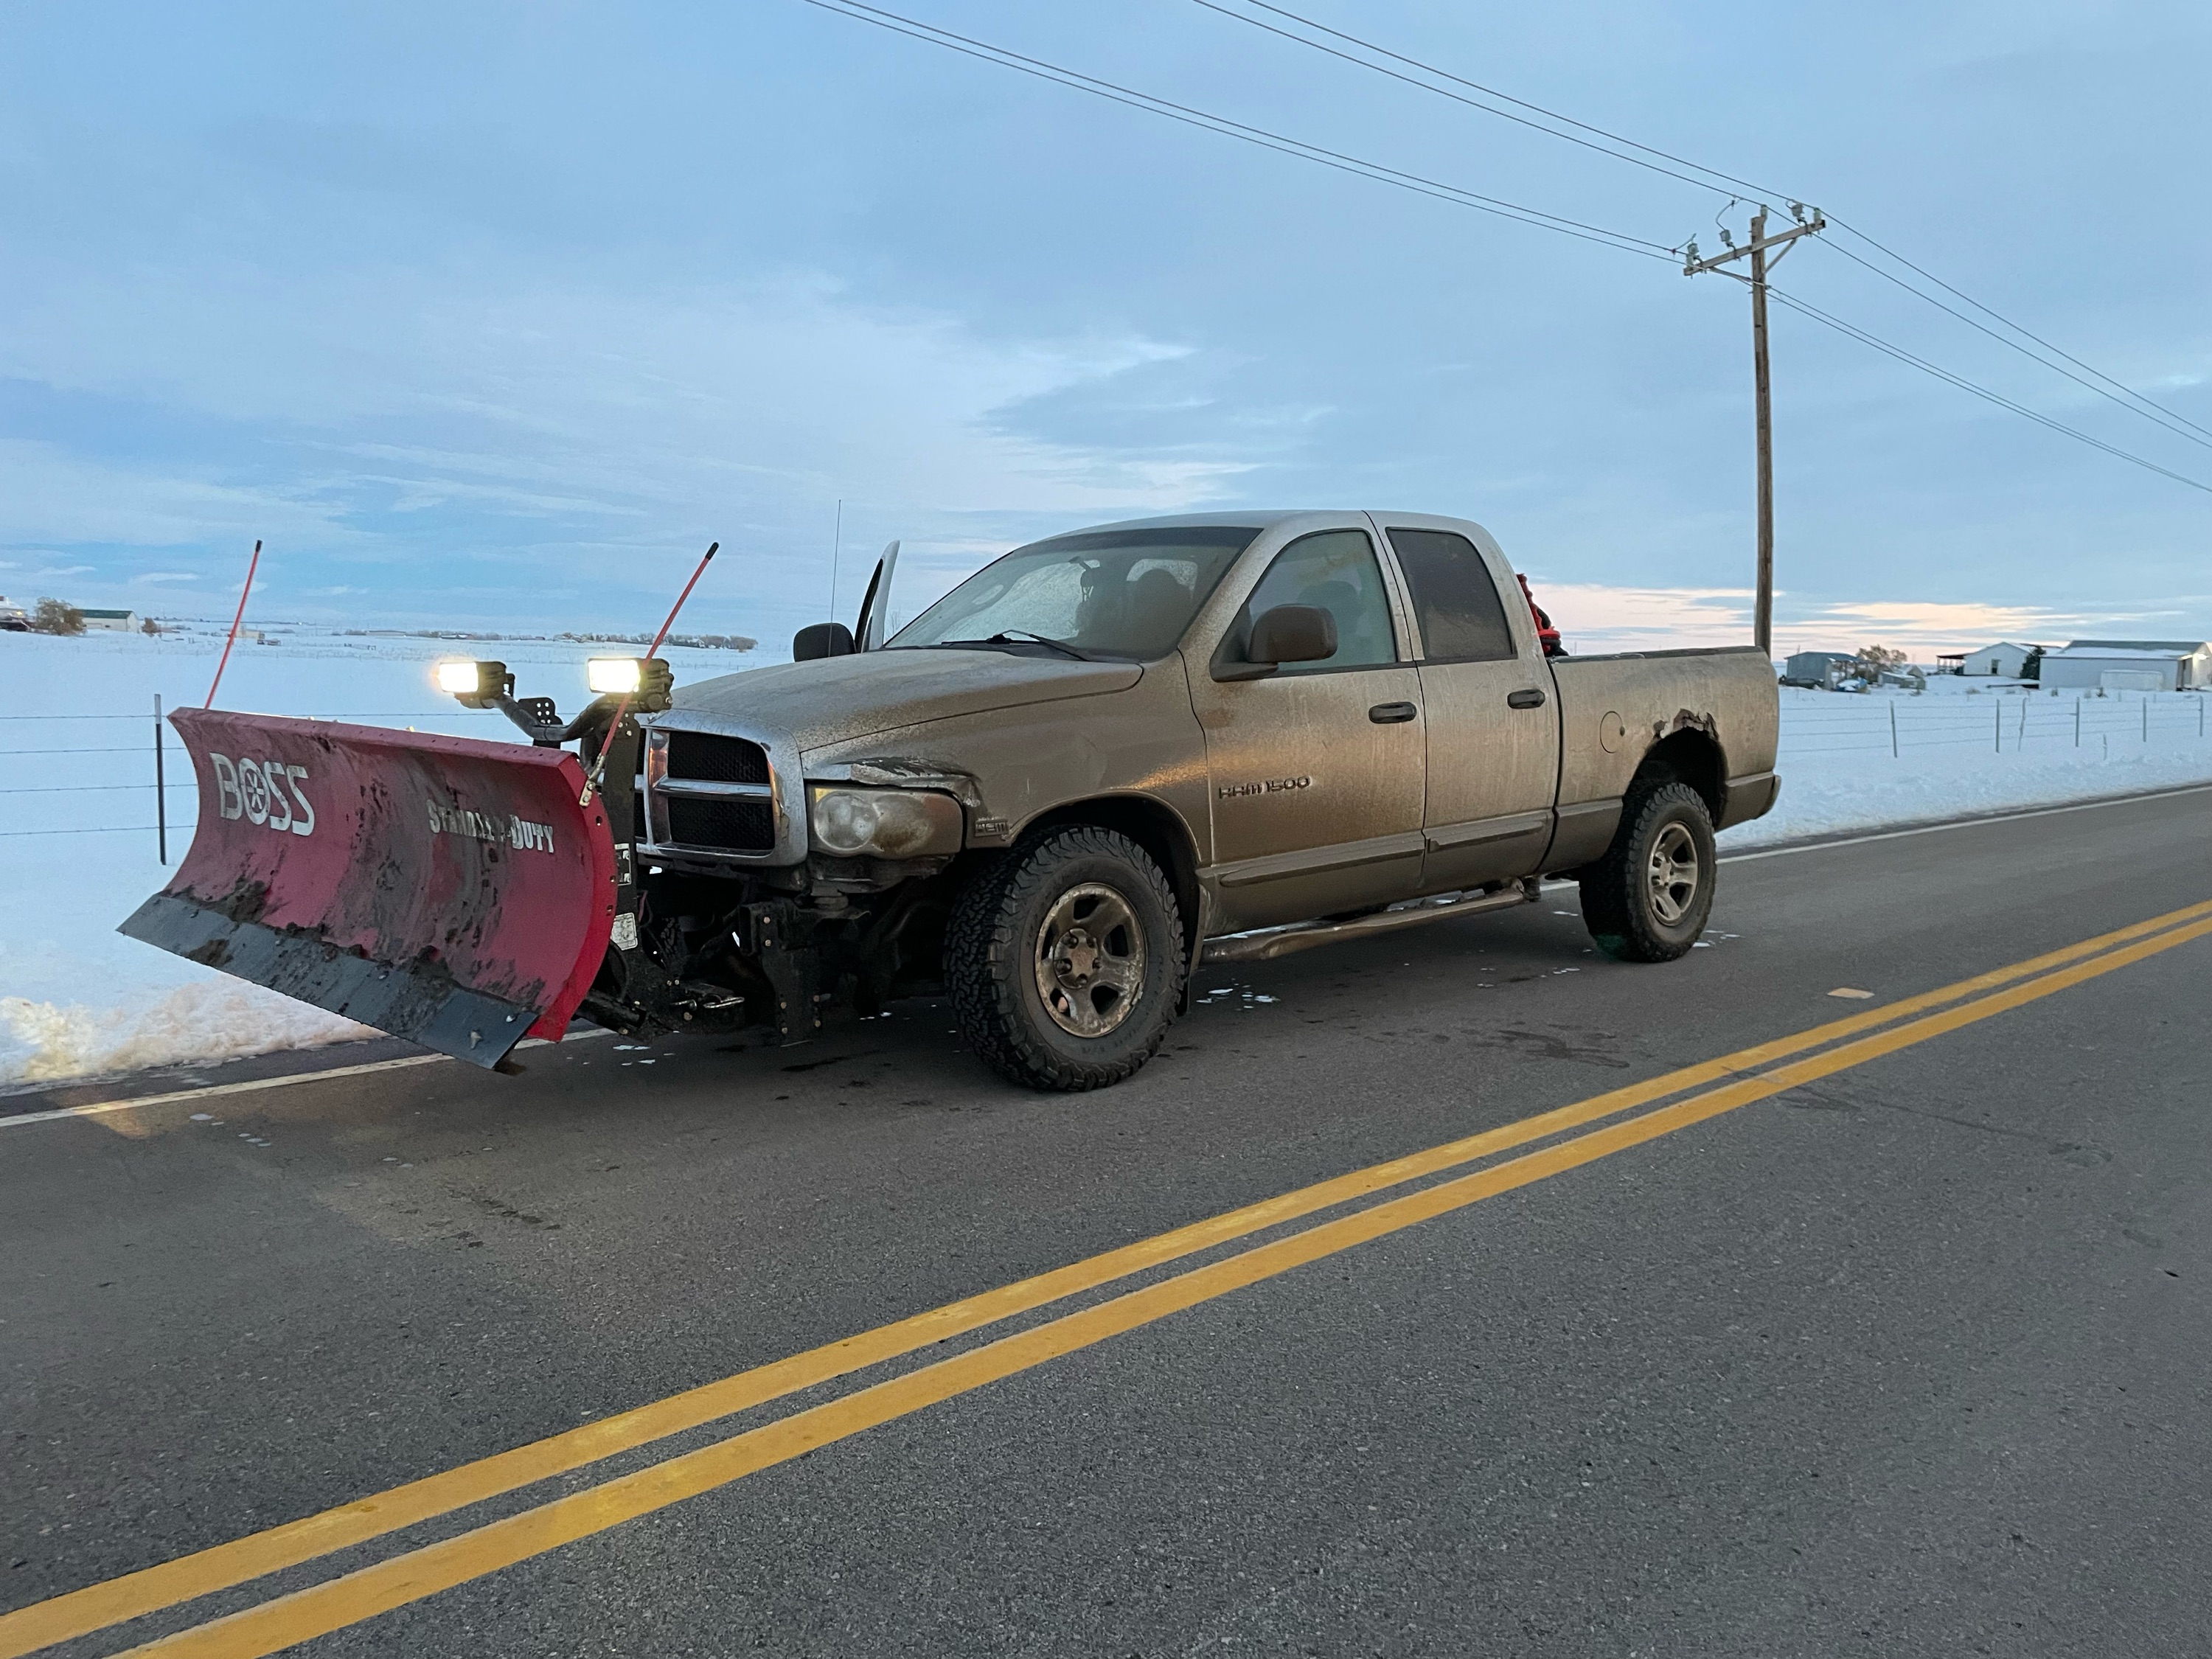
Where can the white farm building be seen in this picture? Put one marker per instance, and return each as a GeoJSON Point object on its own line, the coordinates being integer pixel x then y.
{"type": "Point", "coordinates": [2131, 666]}
{"type": "Point", "coordinates": [2003, 659]}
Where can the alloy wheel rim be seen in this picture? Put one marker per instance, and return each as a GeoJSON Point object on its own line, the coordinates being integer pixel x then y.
{"type": "Point", "coordinates": [1089, 960]}
{"type": "Point", "coordinates": [1675, 874]}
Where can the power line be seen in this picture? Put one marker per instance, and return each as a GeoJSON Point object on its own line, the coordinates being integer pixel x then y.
{"type": "Point", "coordinates": [1964, 385]}
{"type": "Point", "coordinates": [2177, 426]}
{"type": "Point", "coordinates": [2137, 398]}
{"type": "Point", "coordinates": [1730, 180]}
{"type": "Point", "coordinates": [1115, 93]}
{"type": "Point", "coordinates": [1338, 160]}
{"type": "Point", "coordinates": [2008, 323]}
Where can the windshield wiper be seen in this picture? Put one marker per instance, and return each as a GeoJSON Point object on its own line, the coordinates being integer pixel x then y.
{"type": "Point", "coordinates": [1022, 636]}
{"type": "Point", "coordinates": [1062, 646]}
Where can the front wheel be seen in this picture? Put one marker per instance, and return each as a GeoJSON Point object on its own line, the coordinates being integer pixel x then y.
{"type": "Point", "coordinates": [1647, 899]}
{"type": "Point", "coordinates": [1065, 962]}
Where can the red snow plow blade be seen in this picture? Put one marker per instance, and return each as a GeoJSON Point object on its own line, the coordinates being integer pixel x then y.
{"type": "Point", "coordinates": [445, 890]}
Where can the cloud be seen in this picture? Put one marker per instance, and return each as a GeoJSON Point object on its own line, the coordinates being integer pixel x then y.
{"type": "Point", "coordinates": [49, 493]}
{"type": "Point", "coordinates": [1922, 628]}
{"type": "Point", "coordinates": [1597, 616]}
{"type": "Point", "coordinates": [168, 577]}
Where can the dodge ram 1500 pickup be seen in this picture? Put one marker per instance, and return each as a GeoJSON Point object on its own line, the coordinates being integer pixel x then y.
{"type": "Point", "coordinates": [1104, 758]}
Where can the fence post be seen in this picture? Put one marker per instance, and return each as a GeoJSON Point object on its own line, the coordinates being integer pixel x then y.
{"type": "Point", "coordinates": [2145, 719]}
{"type": "Point", "coordinates": [1892, 729]}
{"type": "Point", "coordinates": [1996, 727]}
{"type": "Point", "coordinates": [161, 792]}
{"type": "Point", "coordinates": [2077, 719]}
{"type": "Point", "coordinates": [2025, 699]}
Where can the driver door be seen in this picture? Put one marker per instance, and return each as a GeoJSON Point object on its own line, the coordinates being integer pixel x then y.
{"type": "Point", "coordinates": [1316, 769]}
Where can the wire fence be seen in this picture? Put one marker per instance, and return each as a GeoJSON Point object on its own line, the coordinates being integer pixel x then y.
{"type": "Point", "coordinates": [1902, 725]}
{"type": "Point", "coordinates": [59, 772]}
{"type": "Point", "coordinates": [2026, 722]}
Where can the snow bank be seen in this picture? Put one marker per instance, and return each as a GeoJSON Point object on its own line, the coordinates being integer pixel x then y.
{"type": "Point", "coordinates": [1834, 800]}
{"type": "Point", "coordinates": [1875, 760]}
{"type": "Point", "coordinates": [44, 1041]}
{"type": "Point", "coordinates": [77, 849]}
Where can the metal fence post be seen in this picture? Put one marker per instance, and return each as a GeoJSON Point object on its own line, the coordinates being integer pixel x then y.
{"type": "Point", "coordinates": [1996, 727]}
{"type": "Point", "coordinates": [2146, 719]}
{"type": "Point", "coordinates": [2077, 719]}
{"type": "Point", "coordinates": [161, 792]}
{"type": "Point", "coordinates": [1892, 729]}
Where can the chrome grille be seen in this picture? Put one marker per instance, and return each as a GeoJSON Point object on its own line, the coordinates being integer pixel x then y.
{"type": "Point", "coordinates": [713, 758]}
{"type": "Point", "coordinates": [710, 792]}
{"type": "Point", "coordinates": [731, 826]}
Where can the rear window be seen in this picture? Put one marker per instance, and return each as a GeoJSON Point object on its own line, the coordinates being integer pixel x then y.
{"type": "Point", "coordinates": [1454, 599]}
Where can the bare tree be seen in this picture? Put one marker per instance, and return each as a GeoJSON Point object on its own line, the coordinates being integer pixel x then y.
{"type": "Point", "coordinates": [52, 616]}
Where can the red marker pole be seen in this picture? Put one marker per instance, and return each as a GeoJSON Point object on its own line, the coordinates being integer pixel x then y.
{"type": "Point", "coordinates": [591, 783]}
{"type": "Point", "coordinates": [253, 566]}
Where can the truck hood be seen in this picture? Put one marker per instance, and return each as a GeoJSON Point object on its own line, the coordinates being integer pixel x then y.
{"type": "Point", "coordinates": [838, 699]}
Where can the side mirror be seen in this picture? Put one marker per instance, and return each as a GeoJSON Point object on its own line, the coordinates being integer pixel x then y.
{"type": "Point", "coordinates": [830, 639]}
{"type": "Point", "coordinates": [1292, 633]}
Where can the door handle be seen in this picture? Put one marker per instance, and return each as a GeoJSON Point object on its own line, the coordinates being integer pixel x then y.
{"type": "Point", "coordinates": [1531, 698]}
{"type": "Point", "coordinates": [1393, 714]}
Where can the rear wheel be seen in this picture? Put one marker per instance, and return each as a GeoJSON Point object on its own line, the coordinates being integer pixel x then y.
{"type": "Point", "coordinates": [1065, 962]}
{"type": "Point", "coordinates": [1647, 899]}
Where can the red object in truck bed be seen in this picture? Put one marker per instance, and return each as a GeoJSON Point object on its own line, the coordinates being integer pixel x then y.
{"type": "Point", "coordinates": [445, 889]}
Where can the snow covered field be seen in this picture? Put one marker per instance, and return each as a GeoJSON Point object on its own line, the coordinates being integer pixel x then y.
{"type": "Point", "coordinates": [76, 808]}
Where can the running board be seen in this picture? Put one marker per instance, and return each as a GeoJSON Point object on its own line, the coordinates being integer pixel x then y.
{"type": "Point", "coordinates": [1281, 941]}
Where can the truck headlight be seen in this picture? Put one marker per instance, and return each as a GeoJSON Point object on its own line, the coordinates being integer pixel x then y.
{"type": "Point", "coordinates": [884, 823]}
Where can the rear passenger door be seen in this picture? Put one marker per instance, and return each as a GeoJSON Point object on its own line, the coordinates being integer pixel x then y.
{"type": "Point", "coordinates": [1492, 717]}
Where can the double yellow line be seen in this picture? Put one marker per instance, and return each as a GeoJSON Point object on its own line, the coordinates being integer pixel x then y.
{"type": "Point", "coordinates": [1747, 1075]}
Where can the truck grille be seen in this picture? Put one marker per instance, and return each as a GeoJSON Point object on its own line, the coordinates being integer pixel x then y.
{"type": "Point", "coordinates": [712, 758]}
{"type": "Point", "coordinates": [733, 826]}
{"type": "Point", "coordinates": [714, 790]}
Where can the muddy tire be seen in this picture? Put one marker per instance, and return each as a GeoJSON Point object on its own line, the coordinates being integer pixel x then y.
{"type": "Point", "coordinates": [1648, 898]}
{"type": "Point", "coordinates": [1064, 960]}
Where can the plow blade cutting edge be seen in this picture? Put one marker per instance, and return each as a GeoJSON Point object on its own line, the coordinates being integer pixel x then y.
{"type": "Point", "coordinates": [445, 890]}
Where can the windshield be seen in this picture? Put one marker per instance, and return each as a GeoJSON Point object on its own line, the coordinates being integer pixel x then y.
{"type": "Point", "coordinates": [1125, 593]}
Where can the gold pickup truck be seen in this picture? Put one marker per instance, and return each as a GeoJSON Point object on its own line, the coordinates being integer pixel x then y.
{"type": "Point", "coordinates": [1100, 761]}
{"type": "Point", "coordinates": [1109, 756]}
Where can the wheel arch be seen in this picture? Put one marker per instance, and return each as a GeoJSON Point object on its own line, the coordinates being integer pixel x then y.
{"type": "Point", "coordinates": [1154, 826]}
{"type": "Point", "coordinates": [1689, 755]}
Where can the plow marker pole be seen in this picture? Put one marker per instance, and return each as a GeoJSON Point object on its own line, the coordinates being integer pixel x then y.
{"type": "Point", "coordinates": [224, 662]}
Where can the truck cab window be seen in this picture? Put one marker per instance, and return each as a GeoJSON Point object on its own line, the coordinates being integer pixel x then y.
{"type": "Point", "coordinates": [1336, 570]}
{"type": "Point", "coordinates": [1454, 599]}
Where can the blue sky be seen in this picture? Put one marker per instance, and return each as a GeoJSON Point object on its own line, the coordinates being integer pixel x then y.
{"type": "Point", "coordinates": [493, 315]}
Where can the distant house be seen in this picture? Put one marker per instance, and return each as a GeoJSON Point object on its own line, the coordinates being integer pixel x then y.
{"type": "Point", "coordinates": [1818, 669]}
{"type": "Point", "coordinates": [2004, 658]}
{"type": "Point", "coordinates": [2131, 666]}
{"type": "Point", "coordinates": [14, 619]}
{"type": "Point", "coordinates": [115, 621]}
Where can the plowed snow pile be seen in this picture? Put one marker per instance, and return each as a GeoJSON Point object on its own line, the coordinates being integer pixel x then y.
{"type": "Point", "coordinates": [78, 847]}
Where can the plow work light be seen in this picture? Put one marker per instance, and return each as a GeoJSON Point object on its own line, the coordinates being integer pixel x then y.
{"type": "Point", "coordinates": [645, 681]}
{"type": "Point", "coordinates": [474, 684]}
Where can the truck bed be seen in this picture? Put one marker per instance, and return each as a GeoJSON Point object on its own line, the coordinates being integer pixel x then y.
{"type": "Point", "coordinates": [1616, 709]}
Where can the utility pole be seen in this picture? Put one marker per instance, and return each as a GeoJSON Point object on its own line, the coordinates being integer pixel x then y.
{"type": "Point", "coordinates": [1762, 618]}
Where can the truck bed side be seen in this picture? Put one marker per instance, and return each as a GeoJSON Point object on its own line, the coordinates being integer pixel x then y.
{"type": "Point", "coordinates": [1714, 712]}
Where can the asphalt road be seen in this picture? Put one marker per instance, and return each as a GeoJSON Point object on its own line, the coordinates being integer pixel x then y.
{"type": "Point", "coordinates": [1912, 1355]}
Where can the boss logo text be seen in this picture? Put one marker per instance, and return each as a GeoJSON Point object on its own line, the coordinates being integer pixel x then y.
{"type": "Point", "coordinates": [263, 791]}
